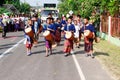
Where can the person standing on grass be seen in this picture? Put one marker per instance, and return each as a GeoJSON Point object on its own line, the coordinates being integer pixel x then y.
{"type": "Point", "coordinates": [88, 42]}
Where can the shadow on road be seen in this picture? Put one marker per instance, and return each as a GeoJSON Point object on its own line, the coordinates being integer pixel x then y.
{"type": "Point", "coordinates": [41, 52]}
{"type": "Point", "coordinates": [59, 52]}
{"type": "Point", "coordinates": [6, 46]}
{"type": "Point", "coordinates": [79, 52]}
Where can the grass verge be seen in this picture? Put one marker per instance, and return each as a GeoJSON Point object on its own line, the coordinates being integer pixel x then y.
{"type": "Point", "coordinates": [109, 55]}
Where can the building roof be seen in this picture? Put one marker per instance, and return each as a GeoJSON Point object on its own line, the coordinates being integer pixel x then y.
{"type": "Point", "coordinates": [11, 8]}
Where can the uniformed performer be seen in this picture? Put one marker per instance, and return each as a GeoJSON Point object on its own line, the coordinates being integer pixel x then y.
{"type": "Point", "coordinates": [69, 30]}
{"type": "Point", "coordinates": [89, 34]}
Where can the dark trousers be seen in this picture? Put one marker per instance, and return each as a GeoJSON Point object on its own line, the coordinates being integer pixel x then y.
{"type": "Point", "coordinates": [4, 31]}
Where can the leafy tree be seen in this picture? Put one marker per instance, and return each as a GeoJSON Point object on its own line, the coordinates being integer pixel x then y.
{"type": "Point", "coordinates": [24, 8]}
{"type": "Point", "coordinates": [3, 10]}
{"type": "Point", "coordinates": [16, 3]}
{"type": "Point", "coordinates": [86, 7]}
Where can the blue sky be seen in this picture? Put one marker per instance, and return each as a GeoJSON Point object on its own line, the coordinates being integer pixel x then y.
{"type": "Point", "coordinates": [39, 2]}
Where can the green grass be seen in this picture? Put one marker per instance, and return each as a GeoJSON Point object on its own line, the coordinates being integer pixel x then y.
{"type": "Point", "coordinates": [109, 55]}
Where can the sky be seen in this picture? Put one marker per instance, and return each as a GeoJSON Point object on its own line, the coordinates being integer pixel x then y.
{"type": "Point", "coordinates": [39, 2]}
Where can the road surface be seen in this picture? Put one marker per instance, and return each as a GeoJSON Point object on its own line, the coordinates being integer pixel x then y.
{"type": "Point", "coordinates": [16, 65]}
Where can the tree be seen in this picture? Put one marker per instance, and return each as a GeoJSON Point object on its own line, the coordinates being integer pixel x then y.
{"type": "Point", "coordinates": [16, 3]}
{"type": "Point", "coordinates": [3, 10]}
{"type": "Point", "coordinates": [24, 8]}
{"type": "Point", "coordinates": [86, 7]}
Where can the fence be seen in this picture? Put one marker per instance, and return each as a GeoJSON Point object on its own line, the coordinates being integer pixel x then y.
{"type": "Point", "coordinates": [110, 26]}
{"type": "Point", "coordinates": [115, 27]}
{"type": "Point", "coordinates": [104, 24]}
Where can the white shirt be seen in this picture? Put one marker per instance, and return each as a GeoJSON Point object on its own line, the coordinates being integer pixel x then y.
{"type": "Point", "coordinates": [36, 26]}
{"type": "Point", "coordinates": [76, 33]}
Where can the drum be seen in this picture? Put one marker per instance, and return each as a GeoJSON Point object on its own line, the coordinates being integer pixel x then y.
{"type": "Point", "coordinates": [54, 44]}
{"type": "Point", "coordinates": [47, 35]}
{"type": "Point", "coordinates": [29, 32]}
{"type": "Point", "coordinates": [88, 34]}
{"type": "Point", "coordinates": [69, 35]}
{"type": "Point", "coordinates": [57, 36]}
{"type": "Point", "coordinates": [40, 29]}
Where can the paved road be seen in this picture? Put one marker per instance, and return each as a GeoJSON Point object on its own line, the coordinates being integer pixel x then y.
{"type": "Point", "coordinates": [16, 65]}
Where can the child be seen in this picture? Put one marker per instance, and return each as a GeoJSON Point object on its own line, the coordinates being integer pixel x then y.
{"type": "Point", "coordinates": [48, 43]}
{"type": "Point", "coordinates": [68, 45]}
{"type": "Point", "coordinates": [88, 41]}
{"type": "Point", "coordinates": [29, 43]}
{"type": "Point", "coordinates": [76, 34]}
{"type": "Point", "coordinates": [28, 40]}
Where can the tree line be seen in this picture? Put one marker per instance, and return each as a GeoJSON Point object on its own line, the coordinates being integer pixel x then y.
{"type": "Point", "coordinates": [86, 7]}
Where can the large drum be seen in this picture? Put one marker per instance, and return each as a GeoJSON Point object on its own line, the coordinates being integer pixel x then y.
{"type": "Point", "coordinates": [29, 32]}
{"type": "Point", "coordinates": [58, 36]}
{"type": "Point", "coordinates": [47, 35]}
{"type": "Point", "coordinates": [69, 35]}
{"type": "Point", "coordinates": [88, 34]}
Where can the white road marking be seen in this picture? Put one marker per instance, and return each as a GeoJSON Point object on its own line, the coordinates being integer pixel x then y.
{"type": "Point", "coordinates": [82, 77]}
{"type": "Point", "coordinates": [14, 46]}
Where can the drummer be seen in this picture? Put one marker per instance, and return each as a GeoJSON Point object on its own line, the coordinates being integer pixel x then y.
{"type": "Point", "coordinates": [28, 40]}
{"type": "Point", "coordinates": [63, 22]}
{"type": "Point", "coordinates": [52, 27]}
{"type": "Point", "coordinates": [68, 44]}
{"type": "Point", "coordinates": [58, 31]}
{"type": "Point", "coordinates": [36, 25]}
{"type": "Point", "coordinates": [48, 44]}
{"type": "Point", "coordinates": [88, 41]}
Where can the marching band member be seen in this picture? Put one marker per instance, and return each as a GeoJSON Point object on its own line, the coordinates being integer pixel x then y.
{"type": "Point", "coordinates": [28, 40]}
{"type": "Point", "coordinates": [48, 43]}
{"type": "Point", "coordinates": [29, 43]}
{"type": "Point", "coordinates": [80, 24]}
{"type": "Point", "coordinates": [36, 25]}
{"type": "Point", "coordinates": [68, 44]}
{"type": "Point", "coordinates": [58, 31]}
{"type": "Point", "coordinates": [52, 28]}
{"type": "Point", "coordinates": [76, 34]}
{"type": "Point", "coordinates": [88, 41]}
{"type": "Point", "coordinates": [63, 22]}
